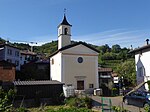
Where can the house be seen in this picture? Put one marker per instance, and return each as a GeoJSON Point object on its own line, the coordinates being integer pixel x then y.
{"type": "Point", "coordinates": [74, 64]}
{"type": "Point", "coordinates": [27, 56]}
{"type": "Point", "coordinates": [105, 80]}
{"type": "Point", "coordinates": [7, 71]}
{"type": "Point", "coordinates": [38, 70]}
{"type": "Point", "coordinates": [142, 63]}
{"type": "Point", "coordinates": [11, 54]}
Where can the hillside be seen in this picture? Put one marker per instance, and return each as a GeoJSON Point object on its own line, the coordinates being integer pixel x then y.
{"type": "Point", "coordinates": [108, 57]}
{"type": "Point", "coordinates": [2, 40]}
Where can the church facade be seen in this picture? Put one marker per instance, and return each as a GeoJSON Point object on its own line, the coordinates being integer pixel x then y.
{"type": "Point", "coordinates": [74, 64]}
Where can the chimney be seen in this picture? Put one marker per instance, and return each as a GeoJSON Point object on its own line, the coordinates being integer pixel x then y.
{"type": "Point", "coordinates": [147, 41]}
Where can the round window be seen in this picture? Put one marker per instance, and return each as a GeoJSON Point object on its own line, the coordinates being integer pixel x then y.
{"type": "Point", "coordinates": [80, 59]}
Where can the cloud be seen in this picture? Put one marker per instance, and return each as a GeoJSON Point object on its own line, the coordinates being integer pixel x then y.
{"type": "Point", "coordinates": [35, 41]}
{"type": "Point", "coordinates": [40, 40]}
{"type": "Point", "coordinates": [123, 37]}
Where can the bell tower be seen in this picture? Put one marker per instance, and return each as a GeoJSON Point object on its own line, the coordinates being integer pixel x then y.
{"type": "Point", "coordinates": [64, 33]}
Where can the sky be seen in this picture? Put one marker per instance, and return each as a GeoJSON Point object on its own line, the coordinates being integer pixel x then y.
{"type": "Point", "coordinates": [98, 22]}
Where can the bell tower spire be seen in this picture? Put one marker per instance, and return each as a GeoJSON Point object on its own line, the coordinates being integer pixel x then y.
{"type": "Point", "coordinates": [64, 32]}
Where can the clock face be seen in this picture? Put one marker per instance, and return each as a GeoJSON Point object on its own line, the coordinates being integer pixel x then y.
{"type": "Point", "coordinates": [80, 59]}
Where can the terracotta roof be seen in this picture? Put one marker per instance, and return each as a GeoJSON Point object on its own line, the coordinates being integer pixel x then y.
{"type": "Point", "coordinates": [45, 82]}
{"type": "Point", "coordinates": [73, 45]}
{"type": "Point", "coordinates": [139, 49]}
{"type": "Point", "coordinates": [104, 69]}
{"type": "Point", "coordinates": [28, 53]}
{"type": "Point", "coordinates": [5, 63]}
{"type": "Point", "coordinates": [64, 22]}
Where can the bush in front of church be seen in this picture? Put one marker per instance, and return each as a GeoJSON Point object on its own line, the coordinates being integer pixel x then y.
{"type": "Point", "coordinates": [85, 102]}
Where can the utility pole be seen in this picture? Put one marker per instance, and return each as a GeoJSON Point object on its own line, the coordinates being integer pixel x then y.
{"type": "Point", "coordinates": [32, 46]}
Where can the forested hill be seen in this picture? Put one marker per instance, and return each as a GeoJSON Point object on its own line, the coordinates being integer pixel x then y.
{"type": "Point", "coordinates": [51, 47]}
{"type": "Point", "coordinates": [108, 56]}
{"type": "Point", "coordinates": [2, 40]}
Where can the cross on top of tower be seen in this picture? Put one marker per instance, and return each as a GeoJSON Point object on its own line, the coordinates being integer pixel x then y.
{"type": "Point", "coordinates": [64, 22]}
{"type": "Point", "coordinates": [65, 11]}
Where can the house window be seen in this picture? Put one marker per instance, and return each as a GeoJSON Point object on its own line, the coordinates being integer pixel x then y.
{"type": "Point", "coordinates": [24, 62]}
{"type": "Point", "coordinates": [17, 63]}
{"type": "Point", "coordinates": [9, 60]}
{"type": "Point", "coordinates": [140, 71]}
{"type": "Point", "coordinates": [17, 53]}
{"type": "Point", "coordinates": [91, 85]}
{"type": "Point", "coordinates": [80, 60]}
{"type": "Point", "coordinates": [9, 51]}
{"type": "Point", "coordinates": [26, 57]}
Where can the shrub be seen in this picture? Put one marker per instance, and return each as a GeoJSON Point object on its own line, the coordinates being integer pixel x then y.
{"type": "Point", "coordinates": [118, 109]}
{"type": "Point", "coordinates": [21, 109]}
{"type": "Point", "coordinates": [114, 91]}
{"type": "Point", "coordinates": [73, 109]}
{"type": "Point", "coordinates": [147, 108]}
{"type": "Point", "coordinates": [148, 82]}
{"type": "Point", "coordinates": [79, 102]}
{"type": "Point", "coordinates": [6, 100]}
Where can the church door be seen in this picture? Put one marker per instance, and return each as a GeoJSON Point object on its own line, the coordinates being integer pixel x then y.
{"type": "Point", "coordinates": [80, 85]}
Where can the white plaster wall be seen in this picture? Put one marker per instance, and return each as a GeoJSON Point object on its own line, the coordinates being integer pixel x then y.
{"type": "Point", "coordinates": [143, 59]}
{"type": "Point", "coordinates": [96, 69]}
{"type": "Point", "coordinates": [80, 49]}
{"type": "Point", "coordinates": [64, 40]}
{"type": "Point", "coordinates": [61, 31]}
{"type": "Point", "coordinates": [13, 57]}
{"type": "Point", "coordinates": [22, 59]}
{"type": "Point", "coordinates": [71, 69]}
{"type": "Point", "coordinates": [56, 68]}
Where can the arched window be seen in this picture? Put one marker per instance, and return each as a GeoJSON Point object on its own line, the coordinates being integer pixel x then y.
{"type": "Point", "coordinates": [66, 31]}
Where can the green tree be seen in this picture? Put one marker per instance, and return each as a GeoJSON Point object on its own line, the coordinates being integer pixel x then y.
{"type": "Point", "coordinates": [109, 56]}
{"type": "Point", "coordinates": [116, 48]}
{"type": "Point", "coordinates": [104, 48]}
{"type": "Point", "coordinates": [6, 100]}
{"type": "Point", "coordinates": [2, 41]}
{"type": "Point", "coordinates": [127, 71]}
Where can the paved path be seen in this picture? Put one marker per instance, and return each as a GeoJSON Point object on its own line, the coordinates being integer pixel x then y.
{"type": "Point", "coordinates": [116, 101]}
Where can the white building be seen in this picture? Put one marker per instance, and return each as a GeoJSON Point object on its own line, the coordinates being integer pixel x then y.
{"type": "Point", "coordinates": [27, 56]}
{"type": "Point", "coordinates": [142, 61]}
{"type": "Point", "coordinates": [11, 54]}
{"type": "Point", "coordinates": [74, 64]}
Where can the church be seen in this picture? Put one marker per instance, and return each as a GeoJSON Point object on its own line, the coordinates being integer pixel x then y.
{"type": "Point", "coordinates": [74, 64]}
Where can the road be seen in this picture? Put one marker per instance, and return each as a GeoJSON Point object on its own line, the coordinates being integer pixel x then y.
{"type": "Point", "coordinates": [116, 101]}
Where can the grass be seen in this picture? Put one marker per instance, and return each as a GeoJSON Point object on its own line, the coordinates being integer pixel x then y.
{"type": "Point", "coordinates": [44, 108]}
{"type": "Point", "coordinates": [61, 108]}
